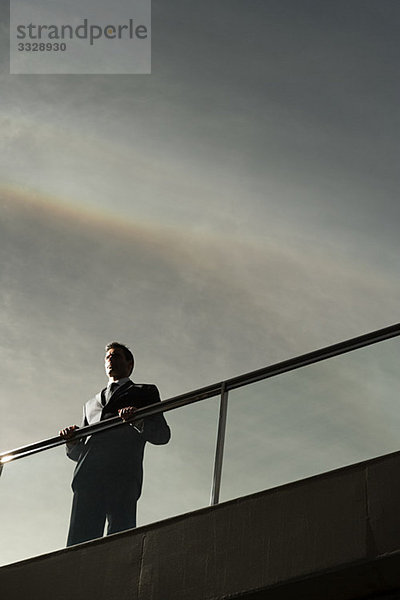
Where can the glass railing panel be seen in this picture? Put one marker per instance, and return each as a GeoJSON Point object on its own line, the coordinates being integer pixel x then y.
{"type": "Point", "coordinates": [35, 502]}
{"type": "Point", "coordinates": [321, 417]}
{"type": "Point", "coordinates": [178, 476]}
{"type": "Point", "coordinates": [36, 496]}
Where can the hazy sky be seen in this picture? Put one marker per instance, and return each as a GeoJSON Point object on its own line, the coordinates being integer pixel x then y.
{"type": "Point", "coordinates": [236, 207]}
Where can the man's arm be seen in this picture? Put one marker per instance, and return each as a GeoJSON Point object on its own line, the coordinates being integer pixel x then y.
{"type": "Point", "coordinates": [154, 429]}
{"type": "Point", "coordinates": [73, 447]}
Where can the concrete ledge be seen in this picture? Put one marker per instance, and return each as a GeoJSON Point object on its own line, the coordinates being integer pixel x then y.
{"type": "Point", "coordinates": [334, 536]}
{"type": "Point", "coordinates": [366, 580]}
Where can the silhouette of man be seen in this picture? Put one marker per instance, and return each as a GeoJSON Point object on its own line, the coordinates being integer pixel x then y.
{"type": "Point", "coordinates": [107, 480]}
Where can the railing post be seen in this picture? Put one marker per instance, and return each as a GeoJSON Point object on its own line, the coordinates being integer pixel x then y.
{"type": "Point", "coordinates": [219, 450]}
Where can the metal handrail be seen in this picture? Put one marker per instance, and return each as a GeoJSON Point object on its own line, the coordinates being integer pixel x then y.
{"type": "Point", "coordinates": [214, 389]}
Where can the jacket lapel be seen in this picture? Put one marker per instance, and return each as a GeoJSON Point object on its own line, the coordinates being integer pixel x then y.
{"type": "Point", "coordinates": [121, 390]}
{"type": "Point", "coordinates": [93, 409]}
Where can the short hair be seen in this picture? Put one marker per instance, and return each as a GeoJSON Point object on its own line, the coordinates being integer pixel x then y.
{"type": "Point", "coordinates": [127, 353]}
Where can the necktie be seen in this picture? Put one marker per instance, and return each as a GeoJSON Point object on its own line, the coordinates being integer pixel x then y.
{"type": "Point", "coordinates": [109, 392]}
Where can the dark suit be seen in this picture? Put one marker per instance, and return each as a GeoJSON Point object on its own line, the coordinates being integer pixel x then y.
{"type": "Point", "coordinates": [108, 477]}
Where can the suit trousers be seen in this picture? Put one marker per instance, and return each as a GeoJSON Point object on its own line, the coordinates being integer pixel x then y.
{"type": "Point", "coordinates": [93, 506]}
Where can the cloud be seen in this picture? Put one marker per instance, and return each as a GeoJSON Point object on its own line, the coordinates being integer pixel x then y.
{"type": "Point", "coordinates": [198, 307]}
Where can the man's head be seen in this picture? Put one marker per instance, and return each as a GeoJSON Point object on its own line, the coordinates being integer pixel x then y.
{"type": "Point", "coordinates": [119, 361]}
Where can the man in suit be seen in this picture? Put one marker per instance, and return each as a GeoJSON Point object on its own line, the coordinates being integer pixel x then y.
{"type": "Point", "coordinates": [107, 480]}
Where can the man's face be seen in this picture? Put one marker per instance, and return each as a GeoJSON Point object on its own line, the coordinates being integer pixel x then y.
{"type": "Point", "coordinates": [116, 364]}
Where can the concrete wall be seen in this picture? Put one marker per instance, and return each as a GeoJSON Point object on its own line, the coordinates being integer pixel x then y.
{"type": "Point", "coordinates": [332, 536]}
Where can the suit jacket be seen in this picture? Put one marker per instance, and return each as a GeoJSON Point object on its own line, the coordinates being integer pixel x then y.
{"type": "Point", "coordinates": [114, 456]}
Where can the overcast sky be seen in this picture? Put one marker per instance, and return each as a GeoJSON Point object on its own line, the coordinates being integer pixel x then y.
{"type": "Point", "coordinates": [236, 207]}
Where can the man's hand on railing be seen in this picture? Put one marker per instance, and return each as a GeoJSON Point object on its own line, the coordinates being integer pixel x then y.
{"type": "Point", "coordinates": [68, 433]}
{"type": "Point", "coordinates": [127, 412]}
